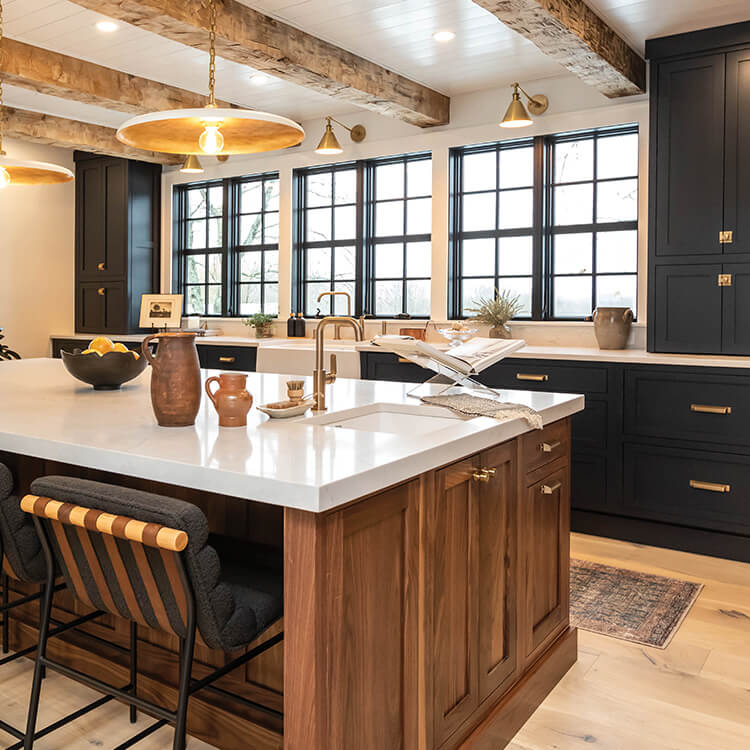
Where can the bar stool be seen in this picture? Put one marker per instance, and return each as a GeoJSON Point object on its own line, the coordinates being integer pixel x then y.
{"type": "Point", "coordinates": [147, 558]}
{"type": "Point", "coordinates": [23, 560]}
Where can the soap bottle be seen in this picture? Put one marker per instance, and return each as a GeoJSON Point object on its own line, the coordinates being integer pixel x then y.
{"type": "Point", "coordinates": [299, 326]}
{"type": "Point", "coordinates": [291, 326]}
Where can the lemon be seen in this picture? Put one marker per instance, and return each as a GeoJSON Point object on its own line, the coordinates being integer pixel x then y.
{"type": "Point", "coordinates": [93, 351]}
{"type": "Point", "coordinates": [102, 344]}
{"type": "Point", "coordinates": [120, 348]}
{"type": "Point", "coordinates": [135, 354]}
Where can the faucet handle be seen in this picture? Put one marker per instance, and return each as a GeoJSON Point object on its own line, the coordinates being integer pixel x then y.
{"type": "Point", "coordinates": [331, 376]}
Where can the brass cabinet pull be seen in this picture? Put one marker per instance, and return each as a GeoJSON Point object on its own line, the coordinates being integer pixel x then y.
{"type": "Point", "coordinates": [101, 266]}
{"type": "Point", "coordinates": [227, 359]}
{"type": "Point", "coordinates": [725, 279]}
{"type": "Point", "coordinates": [483, 475]}
{"type": "Point", "coordinates": [550, 489]}
{"type": "Point", "coordinates": [706, 409]}
{"type": "Point", "coordinates": [549, 447]}
{"type": "Point", "coordinates": [100, 291]}
{"type": "Point", "coordinates": [534, 378]}
{"type": "Point", "coordinates": [710, 486]}
{"type": "Point", "coordinates": [726, 237]}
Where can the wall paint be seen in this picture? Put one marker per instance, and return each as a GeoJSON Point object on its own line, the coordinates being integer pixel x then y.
{"type": "Point", "coordinates": [37, 256]}
{"type": "Point", "coordinates": [474, 119]}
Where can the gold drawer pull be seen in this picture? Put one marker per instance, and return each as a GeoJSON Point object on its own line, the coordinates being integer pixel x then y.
{"type": "Point", "coordinates": [227, 359]}
{"type": "Point", "coordinates": [404, 360]}
{"type": "Point", "coordinates": [710, 486]}
{"type": "Point", "coordinates": [549, 447]}
{"type": "Point", "coordinates": [483, 475]}
{"type": "Point", "coordinates": [534, 378]}
{"type": "Point", "coordinates": [100, 291]}
{"type": "Point", "coordinates": [705, 409]}
{"type": "Point", "coordinates": [550, 489]}
{"type": "Point", "coordinates": [101, 266]}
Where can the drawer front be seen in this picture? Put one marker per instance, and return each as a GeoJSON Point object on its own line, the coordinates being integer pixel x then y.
{"type": "Point", "coordinates": [541, 447]}
{"type": "Point", "coordinates": [376, 366]}
{"type": "Point", "coordinates": [705, 408]}
{"type": "Point", "coordinates": [536, 375]}
{"type": "Point", "coordinates": [691, 488]}
{"type": "Point", "coordinates": [228, 357]}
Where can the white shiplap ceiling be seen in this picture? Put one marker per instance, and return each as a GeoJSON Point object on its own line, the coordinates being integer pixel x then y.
{"type": "Point", "coordinates": [393, 33]}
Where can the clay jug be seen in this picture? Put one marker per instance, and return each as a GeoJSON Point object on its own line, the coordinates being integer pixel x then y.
{"type": "Point", "coordinates": [231, 399]}
{"type": "Point", "coordinates": [175, 378]}
{"type": "Point", "coordinates": [612, 326]}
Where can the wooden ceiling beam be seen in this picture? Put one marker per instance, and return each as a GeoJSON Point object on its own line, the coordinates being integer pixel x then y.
{"type": "Point", "coordinates": [572, 34]}
{"type": "Point", "coordinates": [73, 134]}
{"type": "Point", "coordinates": [67, 77]}
{"type": "Point", "coordinates": [248, 37]}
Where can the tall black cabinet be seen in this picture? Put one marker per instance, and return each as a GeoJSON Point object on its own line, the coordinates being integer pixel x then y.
{"type": "Point", "coordinates": [118, 227]}
{"type": "Point", "coordinates": [699, 223]}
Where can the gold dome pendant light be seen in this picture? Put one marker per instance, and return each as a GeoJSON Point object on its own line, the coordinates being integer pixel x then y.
{"type": "Point", "coordinates": [212, 129]}
{"type": "Point", "coordinates": [22, 171]}
{"type": "Point", "coordinates": [516, 115]}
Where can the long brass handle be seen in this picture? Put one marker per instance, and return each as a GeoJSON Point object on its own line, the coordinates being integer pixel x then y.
{"type": "Point", "coordinates": [227, 359]}
{"type": "Point", "coordinates": [100, 291]}
{"type": "Point", "coordinates": [706, 409]}
{"type": "Point", "coordinates": [549, 447]}
{"type": "Point", "coordinates": [534, 378]}
{"type": "Point", "coordinates": [483, 475]}
{"type": "Point", "coordinates": [550, 489]}
{"type": "Point", "coordinates": [101, 266]}
{"type": "Point", "coordinates": [710, 486]}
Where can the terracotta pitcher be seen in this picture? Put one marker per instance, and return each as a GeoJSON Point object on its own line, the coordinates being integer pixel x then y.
{"type": "Point", "coordinates": [175, 378]}
{"type": "Point", "coordinates": [231, 399]}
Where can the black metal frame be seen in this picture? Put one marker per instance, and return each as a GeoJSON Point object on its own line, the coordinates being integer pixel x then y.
{"type": "Point", "coordinates": [128, 694]}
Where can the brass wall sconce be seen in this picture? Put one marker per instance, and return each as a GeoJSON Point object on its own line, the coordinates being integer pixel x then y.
{"type": "Point", "coordinates": [329, 144]}
{"type": "Point", "coordinates": [192, 165]}
{"type": "Point", "coordinates": [516, 115]}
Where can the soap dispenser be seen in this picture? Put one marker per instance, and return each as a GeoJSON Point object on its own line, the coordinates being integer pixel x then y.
{"type": "Point", "coordinates": [299, 326]}
{"type": "Point", "coordinates": [291, 326]}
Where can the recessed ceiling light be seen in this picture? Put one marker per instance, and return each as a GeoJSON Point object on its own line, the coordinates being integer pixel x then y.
{"type": "Point", "coordinates": [107, 26]}
{"type": "Point", "coordinates": [444, 36]}
{"type": "Point", "coordinates": [260, 79]}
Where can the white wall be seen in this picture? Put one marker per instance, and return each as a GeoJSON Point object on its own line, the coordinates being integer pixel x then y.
{"type": "Point", "coordinates": [37, 264]}
{"type": "Point", "coordinates": [474, 119]}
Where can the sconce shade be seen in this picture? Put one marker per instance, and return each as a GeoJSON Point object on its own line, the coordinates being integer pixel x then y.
{"type": "Point", "coordinates": [192, 165]}
{"type": "Point", "coordinates": [329, 144]}
{"type": "Point", "coordinates": [516, 115]}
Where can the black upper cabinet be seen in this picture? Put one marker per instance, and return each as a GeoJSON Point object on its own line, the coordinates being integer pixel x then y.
{"type": "Point", "coordinates": [117, 241]}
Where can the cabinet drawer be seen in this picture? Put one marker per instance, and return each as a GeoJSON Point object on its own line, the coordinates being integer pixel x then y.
{"type": "Point", "coordinates": [536, 375]}
{"type": "Point", "coordinates": [690, 488]}
{"type": "Point", "coordinates": [228, 357]}
{"type": "Point", "coordinates": [705, 408]}
{"type": "Point", "coordinates": [389, 367]}
{"type": "Point", "coordinates": [541, 447]}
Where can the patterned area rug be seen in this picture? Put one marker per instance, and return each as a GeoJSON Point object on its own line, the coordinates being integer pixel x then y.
{"type": "Point", "coordinates": [636, 607]}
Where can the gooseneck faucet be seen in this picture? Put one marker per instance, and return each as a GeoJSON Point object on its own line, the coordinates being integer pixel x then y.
{"type": "Point", "coordinates": [337, 333]}
{"type": "Point", "coordinates": [322, 378]}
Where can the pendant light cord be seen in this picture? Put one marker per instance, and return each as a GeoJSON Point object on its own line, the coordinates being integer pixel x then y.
{"type": "Point", "coordinates": [211, 53]}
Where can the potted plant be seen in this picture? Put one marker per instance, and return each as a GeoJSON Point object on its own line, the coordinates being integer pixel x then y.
{"type": "Point", "coordinates": [262, 325]}
{"type": "Point", "coordinates": [496, 312]}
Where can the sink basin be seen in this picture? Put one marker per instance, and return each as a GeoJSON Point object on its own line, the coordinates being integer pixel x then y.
{"type": "Point", "coordinates": [390, 418]}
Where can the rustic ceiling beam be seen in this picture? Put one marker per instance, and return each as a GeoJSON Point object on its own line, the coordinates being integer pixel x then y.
{"type": "Point", "coordinates": [572, 34]}
{"type": "Point", "coordinates": [246, 36]}
{"type": "Point", "coordinates": [67, 77]}
{"type": "Point", "coordinates": [81, 136]}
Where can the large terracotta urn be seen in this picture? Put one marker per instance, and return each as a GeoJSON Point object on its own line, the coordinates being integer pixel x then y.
{"type": "Point", "coordinates": [175, 378]}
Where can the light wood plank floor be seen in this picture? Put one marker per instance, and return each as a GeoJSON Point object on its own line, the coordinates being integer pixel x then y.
{"type": "Point", "coordinates": [695, 695]}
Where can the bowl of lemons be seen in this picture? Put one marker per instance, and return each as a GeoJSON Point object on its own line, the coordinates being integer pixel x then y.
{"type": "Point", "coordinates": [104, 364]}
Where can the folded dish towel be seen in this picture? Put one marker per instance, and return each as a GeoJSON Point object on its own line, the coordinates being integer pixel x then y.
{"type": "Point", "coordinates": [476, 406]}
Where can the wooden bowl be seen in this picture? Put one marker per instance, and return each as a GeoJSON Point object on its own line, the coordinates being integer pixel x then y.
{"type": "Point", "coordinates": [105, 373]}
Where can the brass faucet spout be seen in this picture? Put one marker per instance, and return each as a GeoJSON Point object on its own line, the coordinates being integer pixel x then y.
{"type": "Point", "coordinates": [322, 378]}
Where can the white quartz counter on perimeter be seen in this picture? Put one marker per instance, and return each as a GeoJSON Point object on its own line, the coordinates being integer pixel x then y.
{"type": "Point", "coordinates": [48, 414]}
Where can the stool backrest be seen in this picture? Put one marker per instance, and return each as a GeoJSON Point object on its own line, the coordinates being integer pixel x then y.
{"type": "Point", "coordinates": [118, 564]}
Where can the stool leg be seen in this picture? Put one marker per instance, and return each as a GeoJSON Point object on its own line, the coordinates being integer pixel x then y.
{"type": "Point", "coordinates": [187, 646]}
{"type": "Point", "coordinates": [134, 667]}
{"type": "Point", "coordinates": [6, 615]}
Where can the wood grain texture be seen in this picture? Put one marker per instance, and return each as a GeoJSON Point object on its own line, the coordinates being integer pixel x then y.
{"type": "Point", "coordinates": [573, 35]}
{"type": "Point", "coordinates": [248, 37]}
{"type": "Point", "coordinates": [81, 136]}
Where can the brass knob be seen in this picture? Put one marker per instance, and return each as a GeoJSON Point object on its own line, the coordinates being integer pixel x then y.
{"type": "Point", "coordinates": [100, 266]}
{"type": "Point", "coordinates": [483, 475]}
{"type": "Point", "coordinates": [100, 291]}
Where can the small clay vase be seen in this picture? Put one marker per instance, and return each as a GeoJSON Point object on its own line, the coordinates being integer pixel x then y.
{"type": "Point", "coordinates": [231, 399]}
{"type": "Point", "coordinates": [612, 326]}
{"type": "Point", "coordinates": [176, 378]}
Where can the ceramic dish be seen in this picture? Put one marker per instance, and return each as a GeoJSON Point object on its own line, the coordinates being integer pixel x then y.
{"type": "Point", "coordinates": [286, 409]}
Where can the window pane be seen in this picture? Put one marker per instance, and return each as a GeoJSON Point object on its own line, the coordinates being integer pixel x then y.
{"type": "Point", "coordinates": [214, 300]}
{"type": "Point", "coordinates": [389, 260]}
{"type": "Point", "coordinates": [318, 224]}
{"type": "Point", "coordinates": [419, 178]}
{"type": "Point", "coordinates": [574, 204]}
{"type": "Point", "coordinates": [196, 203]}
{"type": "Point", "coordinates": [271, 304]}
{"type": "Point", "coordinates": [516, 209]}
{"type": "Point", "coordinates": [318, 263]}
{"type": "Point", "coordinates": [517, 167]}
{"type": "Point", "coordinates": [480, 171]}
{"type": "Point", "coordinates": [346, 186]}
{"type": "Point", "coordinates": [479, 212]}
{"type": "Point", "coordinates": [195, 300]}
{"type": "Point", "coordinates": [319, 189]}
{"type": "Point", "coordinates": [272, 190]}
{"type": "Point", "coordinates": [418, 297]}
{"type": "Point", "coordinates": [345, 223]}
{"type": "Point", "coordinates": [389, 181]}
{"type": "Point", "coordinates": [215, 232]}
{"type": "Point", "coordinates": [271, 265]}
{"type": "Point", "coordinates": [196, 269]}
{"type": "Point", "coordinates": [419, 259]}
{"type": "Point", "coordinates": [346, 262]}
{"type": "Point", "coordinates": [617, 252]}
{"type": "Point", "coordinates": [479, 257]}
{"type": "Point", "coordinates": [419, 216]}
{"type": "Point", "coordinates": [214, 268]}
{"type": "Point", "coordinates": [616, 291]}
{"type": "Point", "coordinates": [574, 161]}
{"type": "Point", "coordinates": [520, 288]}
{"type": "Point", "coordinates": [617, 156]}
{"type": "Point", "coordinates": [250, 299]}
{"type": "Point", "coordinates": [389, 297]}
{"type": "Point", "coordinates": [271, 234]}
{"type": "Point", "coordinates": [339, 303]}
{"type": "Point", "coordinates": [216, 200]}
{"type": "Point", "coordinates": [251, 229]}
{"type": "Point", "coordinates": [250, 266]}
{"type": "Point", "coordinates": [312, 291]}
{"type": "Point", "coordinates": [572, 296]}
{"type": "Point", "coordinates": [389, 219]}
{"type": "Point", "coordinates": [573, 253]}
{"type": "Point", "coordinates": [196, 234]}
{"type": "Point", "coordinates": [617, 201]}
{"type": "Point", "coordinates": [516, 256]}
{"type": "Point", "coordinates": [473, 290]}
{"type": "Point", "coordinates": [251, 197]}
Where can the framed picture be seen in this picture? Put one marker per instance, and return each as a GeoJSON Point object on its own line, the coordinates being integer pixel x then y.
{"type": "Point", "coordinates": [161, 310]}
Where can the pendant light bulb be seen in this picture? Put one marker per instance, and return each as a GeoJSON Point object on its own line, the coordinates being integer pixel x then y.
{"type": "Point", "coordinates": [211, 140]}
{"type": "Point", "coordinates": [4, 178]}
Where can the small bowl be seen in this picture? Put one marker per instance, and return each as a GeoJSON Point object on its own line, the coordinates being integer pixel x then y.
{"type": "Point", "coordinates": [105, 373]}
{"type": "Point", "coordinates": [457, 336]}
{"type": "Point", "coordinates": [286, 409]}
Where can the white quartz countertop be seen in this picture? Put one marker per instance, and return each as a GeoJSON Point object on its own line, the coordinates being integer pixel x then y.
{"type": "Point", "coordinates": [46, 413]}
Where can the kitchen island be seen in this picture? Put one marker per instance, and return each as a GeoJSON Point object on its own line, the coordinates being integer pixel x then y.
{"type": "Point", "coordinates": [425, 556]}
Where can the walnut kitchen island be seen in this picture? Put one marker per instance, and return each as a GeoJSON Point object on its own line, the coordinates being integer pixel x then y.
{"type": "Point", "coordinates": [425, 557]}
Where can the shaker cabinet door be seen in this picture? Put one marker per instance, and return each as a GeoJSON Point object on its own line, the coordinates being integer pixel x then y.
{"type": "Point", "coordinates": [737, 309]}
{"type": "Point", "coordinates": [101, 307]}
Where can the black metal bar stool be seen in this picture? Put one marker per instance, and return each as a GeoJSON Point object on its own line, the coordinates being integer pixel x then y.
{"type": "Point", "coordinates": [23, 560]}
{"type": "Point", "coordinates": [147, 558]}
